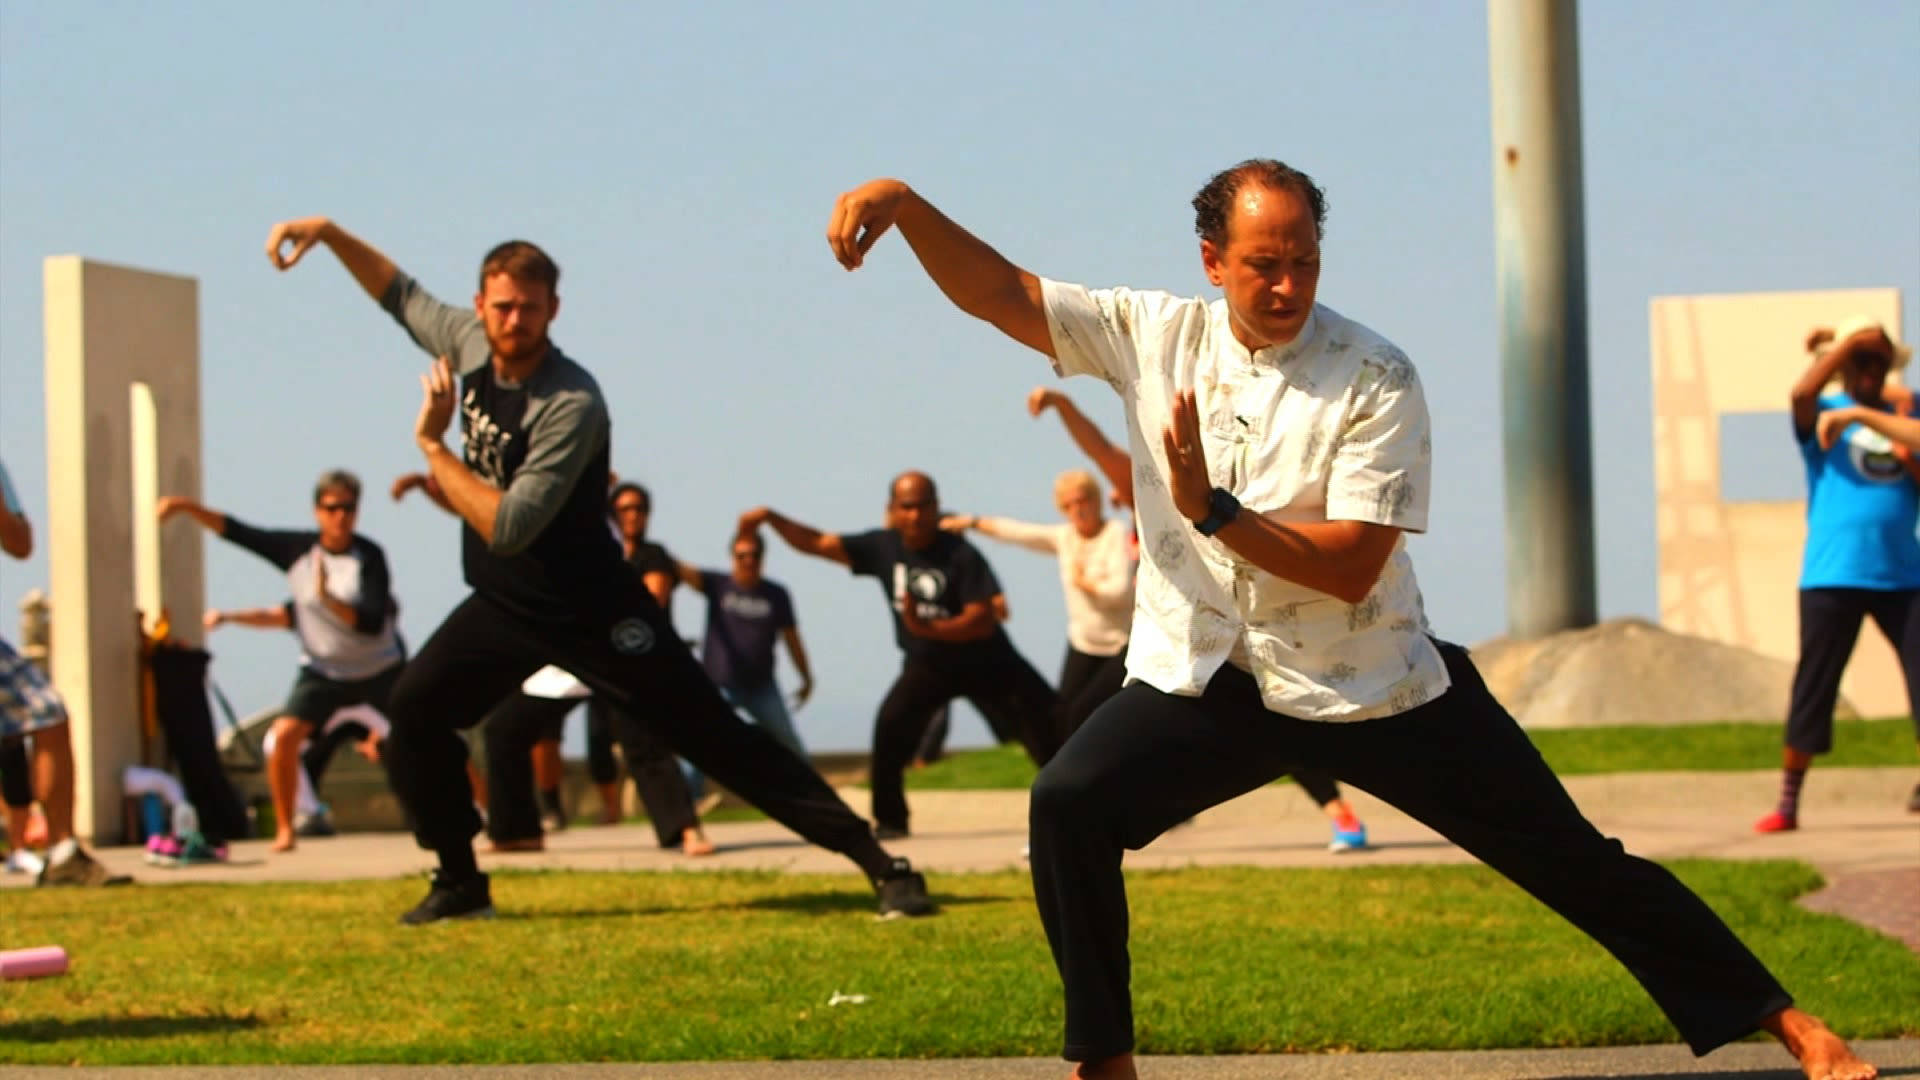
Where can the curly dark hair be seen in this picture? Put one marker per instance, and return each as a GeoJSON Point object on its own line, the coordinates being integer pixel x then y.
{"type": "Point", "coordinates": [1214, 204]}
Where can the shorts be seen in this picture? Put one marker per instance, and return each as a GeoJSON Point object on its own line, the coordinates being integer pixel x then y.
{"type": "Point", "coordinates": [315, 698]}
{"type": "Point", "coordinates": [28, 702]}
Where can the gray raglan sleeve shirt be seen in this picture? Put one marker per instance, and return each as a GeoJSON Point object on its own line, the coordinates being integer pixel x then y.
{"type": "Point", "coordinates": [438, 327]}
{"type": "Point", "coordinates": [566, 429]}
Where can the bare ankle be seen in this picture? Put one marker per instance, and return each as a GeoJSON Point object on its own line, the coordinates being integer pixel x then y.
{"type": "Point", "coordinates": [1118, 1067]}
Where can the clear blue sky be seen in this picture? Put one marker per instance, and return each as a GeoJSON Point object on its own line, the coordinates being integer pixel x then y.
{"type": "Point", "coordinates": [680, 161]}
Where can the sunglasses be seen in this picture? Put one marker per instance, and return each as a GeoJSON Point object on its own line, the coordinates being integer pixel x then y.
{"type": "Point", "coordinates": [747, 556]}
{"type": "Point", "coordinates": [337, 508]}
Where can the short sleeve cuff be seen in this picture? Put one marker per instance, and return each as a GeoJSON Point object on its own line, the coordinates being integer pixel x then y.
{"type": "Point", "coordinates": [1072, 316]}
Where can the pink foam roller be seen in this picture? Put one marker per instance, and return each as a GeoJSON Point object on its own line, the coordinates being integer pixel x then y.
{"type": "Point", "coordinates": [28, 963]}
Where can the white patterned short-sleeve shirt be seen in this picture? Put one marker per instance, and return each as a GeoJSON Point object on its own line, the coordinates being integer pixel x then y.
{"type": "Point", "coordinates": [1332, 426]}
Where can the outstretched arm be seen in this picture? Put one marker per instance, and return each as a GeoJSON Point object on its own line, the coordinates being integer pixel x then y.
{"type": "Point", "coordinates": [1112, 461]}
{"type": "Point", "coordinates": [802, 538]}
{"type": "Point", "coordinates": [265, 618]}
{"type": "Point", "coordinates": [281, 547]}
{"type": "Point", "coordinates": [440, 328]}
{"type": "Point", "coordinates": [424, 483]}
{"type": "Point", "coordinates": [976, 278]}
{"type": "Point", "coordinates": [1042, 538]}
{"type": "Point", "coordinates": [171, 506]}
{"type": "Point", "coordinates": [290, 240]}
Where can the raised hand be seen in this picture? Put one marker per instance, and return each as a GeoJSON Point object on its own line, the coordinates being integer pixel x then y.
{"type": "Point", "coordinates": [170, 505]}
{"type": "Point", "coordinates": [859, 218]}
{"type": "Point", "coordinates": [213, 618]}
{"type": "Point", "coordinates": [436, 405]}
{"type": "Point", "coordinates": [958, 523]}
{"type": "Point", "coordinates": [289, 240]}
{"type": "Point", "coordinates": [751, 521]}
{"type": "Point", "coordinates": [1042, 398]}
{"type": "Point", "coordinates": [1187, 479]}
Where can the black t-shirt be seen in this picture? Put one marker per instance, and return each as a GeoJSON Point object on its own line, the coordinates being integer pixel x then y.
{"type": "Point", "coordinates": [544, 444]}
{"type": "Point", "coordinates": [943, 578]}
{"type": "Point", "coordinates": [574, 554]}
{"type": "Point", "coordinates": [649, 557]}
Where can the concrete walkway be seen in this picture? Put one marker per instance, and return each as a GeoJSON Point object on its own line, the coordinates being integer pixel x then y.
{"type": "Point", "coordinates": [1855, 831]}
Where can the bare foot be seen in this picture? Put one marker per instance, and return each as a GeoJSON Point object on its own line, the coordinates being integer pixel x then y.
{"type": "Point", "coordinates": [1822, 1054]}
{"type": "Point", "coordinates": [283, 840]}
{"type": "Point", "coordinates": [1113, 1068]}
{"type": "Point", "coordinates": [509, 847]}
{"type": "Point", "coordinates": [694, 843]}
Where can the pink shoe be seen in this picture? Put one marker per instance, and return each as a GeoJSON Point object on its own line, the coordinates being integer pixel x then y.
{"type": "Point", "coordinates": [1776, 822]}
{"type": "Point", "coordinates": [163, 850]}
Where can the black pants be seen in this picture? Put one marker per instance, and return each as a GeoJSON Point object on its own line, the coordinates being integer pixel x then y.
{"type": "Point", "coordinates": [1829, 628]}
{"type": "Point", "coordinates": [1015, 700]}
{"type": "Point", "coordinates": [1087, 681]}
{"type": "Point", "coordinates": [933, 742]}
{"type": "Point", "coordinates": [601, 767]}
{"type": "Point", "coordinates": [621, 645]}
{"type": "Point", "coordinates": [16, 779]}
{"type": "Point", "coordinates": [656, 775]}
{"type": "Point", "coordinates": [317, 755]}
{"type": "Point", "coordinates": [1459, 764]}
{"type": "Point", "coordinates": [521, 721]}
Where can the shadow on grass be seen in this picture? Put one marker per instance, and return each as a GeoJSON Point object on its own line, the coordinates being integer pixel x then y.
{"type": "Point", "coordinates": [127, 1027]}
{"type": "Point", "coordinates": [823, 903]}
{"type": "Point", "coordinates": [820, 903]}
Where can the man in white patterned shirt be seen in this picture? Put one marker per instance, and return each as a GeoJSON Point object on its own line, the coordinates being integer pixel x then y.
{"type": "Point", "coordinates": [1291, 633]}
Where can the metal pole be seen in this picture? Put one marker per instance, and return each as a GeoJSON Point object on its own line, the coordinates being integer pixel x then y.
{"type": "Point", "coordinates": [1540, 266]}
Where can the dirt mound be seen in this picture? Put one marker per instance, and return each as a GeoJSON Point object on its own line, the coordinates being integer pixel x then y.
{"type": "Point", "coordinates": [1631, 671]}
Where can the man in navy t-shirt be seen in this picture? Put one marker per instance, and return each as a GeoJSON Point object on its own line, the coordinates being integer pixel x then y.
{"type": "Point", "coordinates": [1862, 557]}
{"type": "Point", "coordinates": [942, 594]}
{"type": "Point", "coordinates": [746, 614]}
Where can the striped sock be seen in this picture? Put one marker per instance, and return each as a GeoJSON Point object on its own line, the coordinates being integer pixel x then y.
{"type": "Point", "coordinates": [1790, 781]}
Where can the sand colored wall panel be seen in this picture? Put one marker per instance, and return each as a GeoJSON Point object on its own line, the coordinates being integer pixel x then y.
{"type": "Point", "coordinates": [108, 329]}
{"type": "Point", "coordinates": [1730, 570]}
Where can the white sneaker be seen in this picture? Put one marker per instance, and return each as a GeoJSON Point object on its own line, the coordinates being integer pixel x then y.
{"type": "Point", "coordinates": [22, 861]}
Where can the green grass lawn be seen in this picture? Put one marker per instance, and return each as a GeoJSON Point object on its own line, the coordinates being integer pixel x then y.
{"type": "Point", "coordinates": [1571, 752]}
{"type": "Point", "coordinates": [695, 965]}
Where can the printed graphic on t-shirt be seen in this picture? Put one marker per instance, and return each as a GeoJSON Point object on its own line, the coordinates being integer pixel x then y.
{"type": "Point", "coordinates": [486, 442]}
{"type": "Point", "coordinates": [1872, 455]}
{"type": "Point", "coordinates": [925, 584]}
{"type": "Point", "coordinates": [746, 605]}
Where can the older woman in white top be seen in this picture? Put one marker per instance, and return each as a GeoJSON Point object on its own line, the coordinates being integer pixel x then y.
{"type": "Point", "coordinates": [1098, 559]}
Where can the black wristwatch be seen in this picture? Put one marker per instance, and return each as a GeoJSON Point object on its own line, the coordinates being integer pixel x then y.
{"type": "Point", "coordinates": [1222, 508]}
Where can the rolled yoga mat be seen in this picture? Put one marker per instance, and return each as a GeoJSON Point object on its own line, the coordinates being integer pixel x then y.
{"type": "Point", "coordinates": [28, 963]}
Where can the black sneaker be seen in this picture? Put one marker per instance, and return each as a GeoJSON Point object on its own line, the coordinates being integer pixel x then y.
{"type": "Point", "coordinates": [903, 893]}
{"type": "Point", "coordinates": [468, 899]}
{"type": "Point", "coordinates": [890, 832]}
